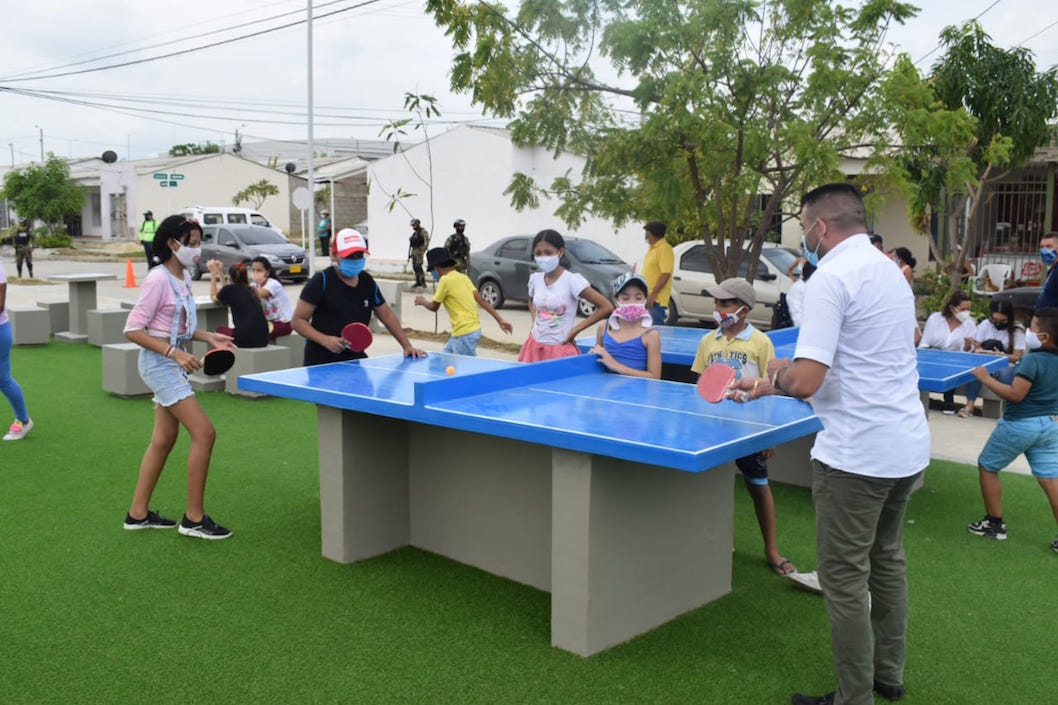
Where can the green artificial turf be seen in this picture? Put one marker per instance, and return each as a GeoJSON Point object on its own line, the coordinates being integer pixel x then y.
{"type": "Point", "coordinates": [90, 613]}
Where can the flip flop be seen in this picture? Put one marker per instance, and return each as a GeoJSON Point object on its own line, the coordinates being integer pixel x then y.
{"type": "Point", "coordinates": [783, 567]}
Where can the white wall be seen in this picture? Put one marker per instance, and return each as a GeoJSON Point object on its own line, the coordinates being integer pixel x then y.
{"type": "Point", "coordinates": [210, 182]}
{"type": "Point", "coordinates": [471, 169]}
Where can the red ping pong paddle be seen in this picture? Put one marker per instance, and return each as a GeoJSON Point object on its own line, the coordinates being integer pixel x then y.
{"type": "Point", "coordinates": [217, 361]}
{"type": "Point", "coordinates": [715, 381]}
{"type": "Point", "coordinates": [357, 336]}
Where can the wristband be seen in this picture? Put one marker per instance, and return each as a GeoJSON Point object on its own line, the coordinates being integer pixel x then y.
{"type": "Point", "coordinates": [777, 383]}
{"type": "Point", "coordinates": [169, 351]}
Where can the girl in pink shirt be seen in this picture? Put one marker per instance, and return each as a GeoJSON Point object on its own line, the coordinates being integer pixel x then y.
{"type": "Point", "coordinates": [163, 324]}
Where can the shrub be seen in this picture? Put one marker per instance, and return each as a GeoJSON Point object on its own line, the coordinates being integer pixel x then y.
{"type": "Point", "coordinates": [56, 238]}
{"type": "Point", "coordinates": [932, 290]}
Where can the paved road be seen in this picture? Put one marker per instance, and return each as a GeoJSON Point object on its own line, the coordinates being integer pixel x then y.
{"type": "Point", "coordinates": [954, 438]}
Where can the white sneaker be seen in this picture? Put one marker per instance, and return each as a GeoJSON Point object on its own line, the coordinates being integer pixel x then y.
{"type": "Point", "coordinates": [18, 430]}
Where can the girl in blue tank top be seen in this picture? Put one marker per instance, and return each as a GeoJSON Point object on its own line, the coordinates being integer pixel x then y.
{"type": "Point", "coordinates": [626, 343]}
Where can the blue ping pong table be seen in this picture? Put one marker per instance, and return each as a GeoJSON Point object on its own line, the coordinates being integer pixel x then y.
{"type": "Point", "coordinates": [613, 493]}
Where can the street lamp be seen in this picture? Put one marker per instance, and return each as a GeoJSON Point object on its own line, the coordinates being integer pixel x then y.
{"type": "Point", "coordinates": [41, 142]}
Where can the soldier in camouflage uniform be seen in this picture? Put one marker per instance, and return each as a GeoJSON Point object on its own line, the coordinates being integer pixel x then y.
{"type": "Point", "coordinates": [24, 247]}
{"type": "Point", "coordinates": [458, 246]}
{"type": "Point", "coordinates": [417, 246]}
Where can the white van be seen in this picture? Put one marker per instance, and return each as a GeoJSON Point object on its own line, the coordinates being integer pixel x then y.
{"type": "Point", "coordinates": [230, 215]}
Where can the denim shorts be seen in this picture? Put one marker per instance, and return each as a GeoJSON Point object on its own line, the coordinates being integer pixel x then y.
{"type": "Point", "coordinates": [754, 469]}
{"type": "Point", "coordinates": [165, 378]}
{"type": "Point", "coordinates": [1036, 437]}
{"type": "Point", "coordinates": [464, 344]}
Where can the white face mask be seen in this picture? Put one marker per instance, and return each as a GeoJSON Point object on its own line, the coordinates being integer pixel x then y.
{"type": "Point", "coordinates": [547, 264]}
{"type": "Point", "coordinates": [963, 316]}
{"type": "Point", "coordinates": [187, 256]}
{"type": "Point", "coordinates": [1032, 341]}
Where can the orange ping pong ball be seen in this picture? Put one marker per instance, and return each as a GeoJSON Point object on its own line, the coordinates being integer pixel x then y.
{"type": "Point", "coordinates": [450, 370]}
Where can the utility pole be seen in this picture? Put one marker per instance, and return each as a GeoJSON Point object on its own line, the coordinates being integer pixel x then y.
{"type": "Point", "coordinates": [41, 142]}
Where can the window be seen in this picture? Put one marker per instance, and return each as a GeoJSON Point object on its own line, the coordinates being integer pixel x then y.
{"type": "Point", "coordinates": [224, 237]}
{"type": "Point", "coordinates": [237, 218]}
{"type": "Point", "coordinates": [259, 236]}
{"type": "Point", "coordinates": [258, 219]}
{"type": "Point", "coordinates": [516, 248]}
{"type": "Point", "coordinates": [589, 252]}
{"type": "Point", "coordinates": [212, 219]}
{"type": "Point", "coordinates": [695, 260]}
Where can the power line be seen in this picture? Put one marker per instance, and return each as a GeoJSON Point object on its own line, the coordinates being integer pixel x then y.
{"type": "Point", "coordinates": [979, 16]}
{"type": "Point", "coordinates": [1052, 24]}
{"type": "Point", "coordinates": [192, 50]}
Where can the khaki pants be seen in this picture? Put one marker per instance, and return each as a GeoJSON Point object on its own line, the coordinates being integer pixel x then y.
{"type": "Point", "coordinates": [860, 547]}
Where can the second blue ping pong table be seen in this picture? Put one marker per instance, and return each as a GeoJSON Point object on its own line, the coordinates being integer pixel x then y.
{"type": "Point", "coordinates": [613, 493]}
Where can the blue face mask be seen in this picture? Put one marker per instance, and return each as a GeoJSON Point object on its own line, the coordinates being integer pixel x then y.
{"type": "Point", "coordinates": [811, 257]}
{"type": "Point", "coordinates": [351, 267]}
{"type": "Point", "coordinates": [435, 275]}
{"type": "Point", "coordinates": [1048, 255]}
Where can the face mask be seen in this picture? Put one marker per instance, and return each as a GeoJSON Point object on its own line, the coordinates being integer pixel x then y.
{"type": "Point", "coordinates": [434, 273]}
{"type": "Point", "coordinates": [629, 312]}
{"type": "Point", "coordinates": [1048, 255]}
{"type": "Point", "coordinates": [352, 267]}
{"type": "Point", "coordinates": [187, 255]}
{"type": "Point", "coordinates": [962, 316]}
{"type": "Point", "coordinates": [811, 257]}
{"type": "Point", "coordinates": [1032, 341]}
{"type": "Point", "coordinates": [727, 321]}
{"type": "Point", "coordinates": [547, 264]}
{"type": "Point", "coordinates": [1000, 326]}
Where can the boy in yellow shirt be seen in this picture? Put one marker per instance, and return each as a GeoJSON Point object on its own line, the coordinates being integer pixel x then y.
{"type": "Point", "coordinates": [461, 300]}
{"type": "Point", "coordinates": [738, 344]}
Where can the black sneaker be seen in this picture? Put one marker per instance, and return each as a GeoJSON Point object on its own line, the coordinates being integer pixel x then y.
{"type": "Point", "coordinates": [1055, 545]}
{"type": "Point", "coordinates": [992, 528]}
{"type": "Point", "coordinates": [799, 699]}
{"type": "Point", "coordinates": [205, 529]}
{"type": "Point", "coordinates": [153, 520]}
{"type": "Point", "coordinates": [890, 692]}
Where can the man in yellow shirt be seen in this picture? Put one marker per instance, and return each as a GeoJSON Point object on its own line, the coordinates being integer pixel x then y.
{"type": "Point", "coordinates": [657, 270]}
{"type": "Point", "coordinates": [461, 300]}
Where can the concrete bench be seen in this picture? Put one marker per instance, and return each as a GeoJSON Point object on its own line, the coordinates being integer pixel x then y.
{"type": "Point", "coordinates": [121, 375]}
{"type": "Point", "coordinates": [991, 405]}
{"type": "Point", "coordinates": [106, 326]}
{"type": "Point", "coordinates": [391, 293]}
{"type": "Point", "coordinates": [30, 325]}
{"type": "Point", "coordinates": [60, 314]}
{"type": "Point", "coordinates": [295, 346]}
{"type": "Point", "coordinates": [250, 361]}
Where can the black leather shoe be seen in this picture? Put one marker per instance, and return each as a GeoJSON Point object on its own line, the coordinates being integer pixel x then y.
{"type": "Point", "coordinates": [890, 692]}
{"type": "Point", "coordinates": [799, 699]}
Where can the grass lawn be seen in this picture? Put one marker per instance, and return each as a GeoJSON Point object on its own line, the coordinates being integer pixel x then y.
{"type": "Point", "coordinates": [90, 613]}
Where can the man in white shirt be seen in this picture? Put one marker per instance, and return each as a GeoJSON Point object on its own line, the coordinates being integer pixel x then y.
{"type": "Point", "coordinates": [856, 340]}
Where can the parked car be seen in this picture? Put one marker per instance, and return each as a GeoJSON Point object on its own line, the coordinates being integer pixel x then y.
{"type": "Point", "coordinates": [501, 270]}
{"type": "Point", "coordinates": [232, 244]}
{"type": "Point", "coordinates": [1023, 298]}
{"type": "Point", "coordinates": [694, 272]}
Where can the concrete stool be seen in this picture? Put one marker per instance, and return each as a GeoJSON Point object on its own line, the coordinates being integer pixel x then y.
{"type": "Point", "coordinates": [60, 314]}
{"type": "Point", "coordinates": [295, 345]}
{"type": "Point", "coordinates": [30, 325]}
{"type": "Point", "coordinates": [391, 293]}
{"type": "Point", "coordinates": [250, 361]}
{"type": "Point", "coordinates": [991, 405]}
{"type": "Point", "coordinates": [106, 326]}
{"type": "Point", "coordinates": [202, 383]}
{"type": "Point", "coordinates": [121, 375]}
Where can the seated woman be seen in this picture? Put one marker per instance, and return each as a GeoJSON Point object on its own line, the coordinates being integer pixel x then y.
{"type": "Point", "coordinates": [999, 334]}
{"type": "Point", "coordinates": [948, 329]}
{"type": "Point", "coordinates": [274, 300]}
{"type": "Point", "coordinates": [250, 327]}
{"type": "Point", "coordinates": [904, 259]}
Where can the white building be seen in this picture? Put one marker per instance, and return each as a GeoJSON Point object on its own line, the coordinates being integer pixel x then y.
{"type": "Point", "coordinates": [472, 167]}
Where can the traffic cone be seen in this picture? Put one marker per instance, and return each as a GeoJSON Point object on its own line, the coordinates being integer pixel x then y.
{"type": "Point", "coordinates": [130, 278]}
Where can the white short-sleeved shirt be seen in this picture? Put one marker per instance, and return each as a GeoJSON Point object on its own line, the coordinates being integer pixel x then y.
{"type": "Point", "coordinates": [937, 334]}
{"type": "Point", "coordinates": [987, 331]}
{"type": "Point", "coordinates": [277, 307]}
{"type": "Point", "coordinates": [860, 322]}
{"type": "Point", "coordinates": [556, 305]}
{"type": "Point", "coordinates": [795, 301]}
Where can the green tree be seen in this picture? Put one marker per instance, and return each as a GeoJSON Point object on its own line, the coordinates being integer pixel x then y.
{"type": "Point", "coordinates": [719, 112]}
{"type": "Point", "coordinates": [186, 150]}
{"type": "Point", "coordinates": [423, 107]}
{"type": "Point", "coordinates": [44, 191]}
{"type": "Point", "coordinates": [949, 160]}
{"type": "Point", "coordinates": [255, 194]}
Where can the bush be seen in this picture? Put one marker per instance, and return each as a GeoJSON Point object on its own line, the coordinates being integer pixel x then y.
{"type": "Point", "coordinates": [932, 290]}
{"type": "Point", "coordinates": [57, 238]}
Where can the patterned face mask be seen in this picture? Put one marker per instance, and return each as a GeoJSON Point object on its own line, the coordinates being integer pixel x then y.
{"type": "Point", "coordinates": [629, 312]}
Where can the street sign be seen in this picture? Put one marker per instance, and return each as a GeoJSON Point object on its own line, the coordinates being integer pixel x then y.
{"type": "Point", "coordinates": [161, 176]}
{"type": "Point", "coordinates": [163, 184]}
{"type": "Point", "coordinates": [177, 177]}
{"type": "Point", "coordinates": [172, 184]}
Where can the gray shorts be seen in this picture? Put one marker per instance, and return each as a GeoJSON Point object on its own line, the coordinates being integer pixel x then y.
{"type": "Point", "coordinates": [165, 378]}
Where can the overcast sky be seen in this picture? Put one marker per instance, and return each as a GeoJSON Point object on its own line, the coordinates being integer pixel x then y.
{"type": "Point", "coordinates": [365, 59]}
